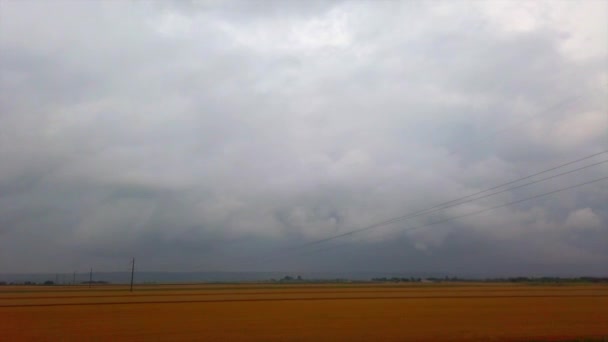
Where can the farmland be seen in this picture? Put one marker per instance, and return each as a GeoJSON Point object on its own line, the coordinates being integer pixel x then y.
{"type": "Point", "coordinates": [232, 312]}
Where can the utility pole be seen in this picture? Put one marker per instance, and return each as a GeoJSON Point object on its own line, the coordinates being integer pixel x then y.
{"type": "Point", "coordinates": [91, 277]}
{"type": "Point", "coordinates": [74, 278]}
{"type": "Point", "coordinates": [132, 273]}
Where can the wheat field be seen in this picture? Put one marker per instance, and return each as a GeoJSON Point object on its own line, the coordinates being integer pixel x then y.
{"type": "Point", "coordinates": [304, 312]}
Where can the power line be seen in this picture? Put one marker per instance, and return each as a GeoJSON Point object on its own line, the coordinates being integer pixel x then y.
{"type": "Point", "coordinates": [448, 204]}
{"type": "Point", "coordinates": [495, 207]}
{"type": "Point", "coordinates": [514, 181]}
{"type": "Point", "coordinates": [508, 204]}
{"type": "Point", "coordinates": [460, 201]}
{"type": "Point", "coordinates": [467, 199]}
{"type": "Point", "coordinates": [270, 257]}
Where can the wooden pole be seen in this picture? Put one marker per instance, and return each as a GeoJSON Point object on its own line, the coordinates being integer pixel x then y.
{"type": "Point", "coordinates": [132, 273]}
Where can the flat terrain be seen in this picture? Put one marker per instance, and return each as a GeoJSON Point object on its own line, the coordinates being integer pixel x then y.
{"type": "Point", "coordinates": [298, 312]}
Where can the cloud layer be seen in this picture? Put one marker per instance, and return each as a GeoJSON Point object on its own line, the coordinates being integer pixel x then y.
{"type": "Point", "coordinates": [213, 136]}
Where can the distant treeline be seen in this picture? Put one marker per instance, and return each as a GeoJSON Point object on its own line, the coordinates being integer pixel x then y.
{"type": "Point", "coordinates": [399, 280]}
{"type": "Point", "coordinates": [299, 279]}
{"type": "Point", "coordinates": [50, 282]}
{"type": "Point", "coordinates": [552, 280]}
{"type": "Point", "coordinates": [497, 280]}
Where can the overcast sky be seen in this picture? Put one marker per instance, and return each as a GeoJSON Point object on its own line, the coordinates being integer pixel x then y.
{"type": "Point", "coordinates": [216, 135]}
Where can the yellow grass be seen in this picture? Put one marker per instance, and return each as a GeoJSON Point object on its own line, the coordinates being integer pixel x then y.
{"type": "Point", "coordinates": [370, 312]}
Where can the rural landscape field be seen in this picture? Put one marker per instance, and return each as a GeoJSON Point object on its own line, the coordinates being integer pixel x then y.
{"type": "Point", "coordinates": [366, 311]}
{"type": "Point", "coordinates": [322, 170]}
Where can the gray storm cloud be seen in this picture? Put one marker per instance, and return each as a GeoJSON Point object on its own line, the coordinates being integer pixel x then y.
{"type": "Point", "coordinates": [199, 135]}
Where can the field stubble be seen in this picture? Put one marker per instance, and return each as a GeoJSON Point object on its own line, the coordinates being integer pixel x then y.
{"type": "Point", "coordinates": [305, 312]}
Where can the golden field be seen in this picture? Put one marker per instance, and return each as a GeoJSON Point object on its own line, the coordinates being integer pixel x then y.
{"type": "Point", "coordinates": [304, 312]}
